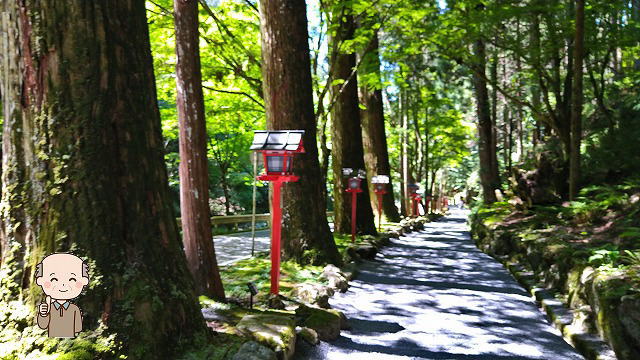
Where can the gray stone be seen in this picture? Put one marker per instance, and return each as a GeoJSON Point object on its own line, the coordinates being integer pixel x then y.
{"type": "Point", "coordinates": [307, 334]}
{"type": "Point", "coordinates": [272, 330]}
{"type": "Point", "coordinates": [629, 313]}
{"type": "Point", "coordinates": [335, 277]}
{"type": "Point", "coordinates": [252, 350]}
{"type": "Point", "coordinates": [367, 252]}
{"type": "Point", "coordinates": [326, 323]}
{"type": "Point", "coordinates": [313, 294]}
{"type": "Point", "coordinates": [275, 302]}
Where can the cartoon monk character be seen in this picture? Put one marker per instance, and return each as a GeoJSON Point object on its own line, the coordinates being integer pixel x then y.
{"type": "Point", "coordinates": [62, 277]}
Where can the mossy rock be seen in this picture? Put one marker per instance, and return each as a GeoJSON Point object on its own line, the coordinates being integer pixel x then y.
{"type": "Point", "coordinates": [309, 335]}
{"type": "Point", "coordinates": [607, 291]}
{"type": "Point", "coordinates": [272, 330]}
{"type": "Point", "coordinates": [252, 350]}
{"type": "Point", "coordinates": [574, 287]}
{"type": "Point", "coordinates": [629, 314]}
{"type": "Point", "coordinates": [326, 322]}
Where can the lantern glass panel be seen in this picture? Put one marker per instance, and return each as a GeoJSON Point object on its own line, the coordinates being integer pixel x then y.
{"type": "Point", "coordinates": [354, 183]}
{"type": "Point", "coordinates": [279, 164]}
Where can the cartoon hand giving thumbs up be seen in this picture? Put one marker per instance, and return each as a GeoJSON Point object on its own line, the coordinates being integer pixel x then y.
{"type": "Point", "coordinates": [45, 307]}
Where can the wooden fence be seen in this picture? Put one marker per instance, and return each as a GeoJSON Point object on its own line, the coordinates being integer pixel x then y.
{"type": "Point", "coordinates": [243, 219]}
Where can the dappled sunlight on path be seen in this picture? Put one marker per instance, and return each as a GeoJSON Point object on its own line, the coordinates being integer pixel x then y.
{"type": "Point", "coordinates": [434, 295]}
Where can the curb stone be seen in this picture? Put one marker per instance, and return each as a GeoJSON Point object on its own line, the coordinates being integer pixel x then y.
{"type": "Point", "coordinates": [588, 345]}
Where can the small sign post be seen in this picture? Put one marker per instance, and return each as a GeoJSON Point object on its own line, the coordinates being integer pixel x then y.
{"type": "Point", "coordinates": [278, 148]}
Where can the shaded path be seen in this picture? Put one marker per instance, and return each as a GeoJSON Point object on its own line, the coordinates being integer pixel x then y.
{"type": "Point", "coordinates": [434, 295]}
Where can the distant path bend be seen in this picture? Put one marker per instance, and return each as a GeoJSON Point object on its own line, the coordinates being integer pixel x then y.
{"type": "Point", "coordinates": [434, 295]}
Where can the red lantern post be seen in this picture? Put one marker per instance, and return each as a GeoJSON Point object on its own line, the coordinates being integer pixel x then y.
{"type": "Point", "coordinates": [416, 201]}
{"type": "Point", "coordinates": [380, 182]}
{"type": "Point", "coordinates": [413, 188]}
{"type": "Point", "coordinates": [427, 208]}
{"type": "Point", "coordinates": [353, 187]}
{"type": "Point", "coordinates": [278, 149]}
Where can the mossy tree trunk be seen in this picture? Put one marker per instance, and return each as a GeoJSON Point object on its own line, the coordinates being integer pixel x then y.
{"type": "Point", "coordinates": [376, 153]}
{"type": "Point", "coordinates": [286, 69]}
{"type": "Point", "coordinates": [194, 171]}
{"type": "Point", "coordinates": [489, 177]}
{"type": "Point", "coordinates": [576, 103]}
{"type": "Point", "coordinates": [83, 169]}
{"type": "Point", "coordinates": [346, 133]}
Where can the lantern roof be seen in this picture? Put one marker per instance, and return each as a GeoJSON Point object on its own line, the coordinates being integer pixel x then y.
{"type": "Point", "coordinates": [288, 140]}
{"type": "Point", "coordinates": [380, 179]}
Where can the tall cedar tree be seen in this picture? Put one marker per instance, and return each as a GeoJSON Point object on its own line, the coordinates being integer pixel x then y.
{"type": "Point", "coordinates": [346, 134]}
{"type": "Point", "coordinates": [194, 174]}
{"type": "Point", "coordinates": [286, 69]}
{"type": "Point", "coordinates": [576, 105]}
{"type": "Point", "coordinates": [489, 177]}
{"type": "Point", "coordinates": [374, 138]}
{"type": "Point", "coordinates": [83, 169]}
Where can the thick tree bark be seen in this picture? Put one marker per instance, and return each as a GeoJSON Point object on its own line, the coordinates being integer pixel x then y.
{"type": "Point", "coordinates": [83, 169]}
{"type": "Point", "coordinates": [495, 165]}
{"type": "Point", "coordinates": [346, 135]}
{"type": "Point", "coordinates": [374, 138]}
{"type": "Point", "coordinates": [635, 16]}
{"type": "Point", "coordinates": [576, 102]}
{"type": "Point", "coordinates": [194, 172]}
{"type": "Point", "coordinates": [489, 176]}
{"type": "Point", "coordinates": [534, 48]}
{"type": "Point", "coordinates": [404, 174]}
{"type": "Point", "coordinates": [289, 105]}
{"type": "Point", "coordinates": [427, 165]}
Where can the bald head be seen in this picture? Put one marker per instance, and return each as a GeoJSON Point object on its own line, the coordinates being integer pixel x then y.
{"type": "Point", "coordinates": [62, 276]}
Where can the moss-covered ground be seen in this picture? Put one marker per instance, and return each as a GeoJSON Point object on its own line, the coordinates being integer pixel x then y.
{"type": "Point", "coordinates": [257, 270]}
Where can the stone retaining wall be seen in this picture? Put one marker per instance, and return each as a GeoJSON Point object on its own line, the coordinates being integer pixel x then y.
{"type": "Point", "coordinates": [556, 272]}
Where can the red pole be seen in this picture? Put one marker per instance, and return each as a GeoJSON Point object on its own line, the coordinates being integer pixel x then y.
{"type": "Point", "coordinates": [354, 202]}
{"type": "Point", "coordinates": [415, 207]}
{"type": "Point", "coordinates": [276, 225]}
{"type": "Point", "coordinates": [379, 210]}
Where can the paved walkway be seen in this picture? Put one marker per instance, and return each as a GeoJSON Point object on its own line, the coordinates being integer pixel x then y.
{"type": "Point", "coordinates": [233, 247]}
{"type": "Point", "coordinates": [434, 295]}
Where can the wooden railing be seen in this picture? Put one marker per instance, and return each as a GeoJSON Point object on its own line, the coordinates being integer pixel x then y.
{"type": "Point", "coordinates": [240, 219]}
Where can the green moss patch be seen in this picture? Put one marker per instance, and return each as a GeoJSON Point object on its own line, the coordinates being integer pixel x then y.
{"type": "Point", "coordinates": [258, 271]}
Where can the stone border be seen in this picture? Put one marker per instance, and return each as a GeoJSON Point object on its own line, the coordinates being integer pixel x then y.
{"type": "Point", "coordinates": [591, 346]}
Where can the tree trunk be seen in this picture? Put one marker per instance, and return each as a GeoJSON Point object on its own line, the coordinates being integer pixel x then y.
{"type": "Point", "coordinates": [489, 177]}
{"type": "Point", "coordinates": [635, 16]}
{"type": "Point", "coordinates": [83, 170]}
{"type": "Point", "coordinates": [406, 202]}
{"type": "Point", "coordinates": [404, 211]}
{"type": "Point", "coordinates": [289, 105]}
{"type": "Point", "coordinates": [194, 173]}
{"type": "Point", "coordinates": [576, 103]}
{"type": "Point", "coordinates": [535, 87]}
{"type": "Point", "coordinates": [225, 190]}
{"type": "Point", "coordinates": [495, 166]}
{"type": "Point", "coordinates": [346, 136]}
{"type": "Point", "coordinates": [374, 138]}
{"type": "Point", "coordinates": [427, 165]}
